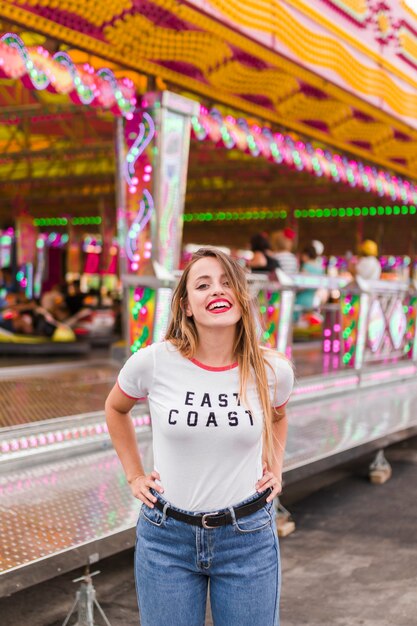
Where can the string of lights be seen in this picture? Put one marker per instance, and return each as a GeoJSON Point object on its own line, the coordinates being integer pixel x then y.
{"type": "Point", "coordinates": [242, 215]}
{"type": "Point", "coordinates": [299, 155]}
{"type": "Point", "coordinates": [334, 212]}
{"type": "Point", "coordinates": [214, 216]}
{"type": "Point", "coordinates": [372, 211]}
{"type": "Point", "coordinates": [59, 73]}
{"type": "Point", "coordinates": [64, 221]}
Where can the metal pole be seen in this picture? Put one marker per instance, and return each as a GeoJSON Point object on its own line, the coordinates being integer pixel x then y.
{"type": "Point", "coordinates": [172, 114]}
{"type": "Point", "coordinates": [122, 224]}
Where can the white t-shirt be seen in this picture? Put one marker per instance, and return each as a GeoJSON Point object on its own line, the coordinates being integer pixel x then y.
{"type": "Point", "coordinates": [207, 447]}
{"type": "Point", "coordinates": [368, 268]}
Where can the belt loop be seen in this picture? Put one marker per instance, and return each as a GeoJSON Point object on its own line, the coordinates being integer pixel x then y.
{"type": "Point", "coordinates": [164, 511]}
{"type": "Point", "coordinates": [232, 514]}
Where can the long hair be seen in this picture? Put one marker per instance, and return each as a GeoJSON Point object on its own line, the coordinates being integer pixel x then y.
{"type": "Point", "coordinates": [182, 333]}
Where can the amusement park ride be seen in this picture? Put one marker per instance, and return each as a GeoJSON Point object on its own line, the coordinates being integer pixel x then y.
{"type": "Point", "coordinates": [79, 123]}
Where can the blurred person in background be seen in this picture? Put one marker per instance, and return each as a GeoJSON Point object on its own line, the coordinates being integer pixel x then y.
{"type": "Point", "coordinates": [319, 248]}
{"type": "Point", "coordinates": [282, 242]}
{"type": "Point", "coordinates": [306, 298]}
{"type": "Point", "coordinates": [26, 317]}
{"type": "Point", "coordinates": [7, 280]}
{"type": "Point", "coordinates": [53, 301]}
{"type": "Point", "coordinates": [74, 299]}
{"type": "Point", "coordinates": [368, 266]}
{"type": "Point", "coordinates": [4, 286]}
{"type": "Point", "coordinates": [309, 263]}
{"type": "Point", "coordinates": [263, 259]}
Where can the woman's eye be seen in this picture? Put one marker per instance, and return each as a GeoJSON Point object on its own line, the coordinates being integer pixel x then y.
{"type": "Point", "coordinates": [226, 283]}
{"type": "Point", "coordinates": [202, 286]}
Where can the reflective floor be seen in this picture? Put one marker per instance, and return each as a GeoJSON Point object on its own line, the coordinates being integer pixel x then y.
{"type": "Point", "coordinates": [323, 428]}
{"type": "Point", "coordinates": [54, 391]}
{"type": "Point", "coordinates": [58, 505]}
{"type": "Point", "coordinates": [307, 358]}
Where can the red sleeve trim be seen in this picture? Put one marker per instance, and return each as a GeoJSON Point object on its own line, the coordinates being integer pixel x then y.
{"type": "Point", "coordinates": [127, 395]}
{"type": "Point", "coordinates": [280, 406]}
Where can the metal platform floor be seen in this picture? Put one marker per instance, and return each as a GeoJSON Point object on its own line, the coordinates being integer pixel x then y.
{"type": "Point", "coordinates": [58, 515]}
{"type": "Point", "coordinates": [43, 392]}
{"type": "Point", "coordinates": [36, 393]}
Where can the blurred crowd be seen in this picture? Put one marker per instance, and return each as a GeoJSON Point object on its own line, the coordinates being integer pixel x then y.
{"type": "Point", "coordinates": [66, 310]}
{"type": "Point", "coordinates": [276, 251]}
{"type": "Point", "coordinates": [61, 313]}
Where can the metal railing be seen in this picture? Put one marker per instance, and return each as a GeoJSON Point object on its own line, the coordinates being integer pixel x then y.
{"type": "Point", "coordinates": [368, 321]}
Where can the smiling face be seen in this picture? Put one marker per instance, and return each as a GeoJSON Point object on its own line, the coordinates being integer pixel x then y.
{"type": "Point", "coordinates": [210, 299]}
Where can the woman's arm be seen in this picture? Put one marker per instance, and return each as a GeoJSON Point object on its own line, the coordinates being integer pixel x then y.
{"type": "Point", "coordinates": [272, 476]}
{"type": "Point", "coordinates": [123, 436]}
{"type": "Point", "coordinates": [279, 431]}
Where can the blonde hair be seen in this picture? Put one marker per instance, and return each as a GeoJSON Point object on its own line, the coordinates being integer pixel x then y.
{"type": "Point", "coordinates": [182, 333]}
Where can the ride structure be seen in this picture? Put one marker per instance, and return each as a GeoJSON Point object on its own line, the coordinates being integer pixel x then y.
{"type": "Point", "coordinates": [303, 124]}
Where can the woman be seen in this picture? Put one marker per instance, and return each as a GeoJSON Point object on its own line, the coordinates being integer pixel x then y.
{"type": "Point", "coordinates": [263, 259]}
{"type": "Point", "coordinates": [207, 511]}
{"type": "Point", "coordinates": [282, 243]}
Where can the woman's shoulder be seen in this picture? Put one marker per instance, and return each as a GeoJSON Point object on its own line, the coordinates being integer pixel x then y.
{"type": "Point", "coordinates": [277, 360]}
{"type": "Point", "coordinates": [280, 375]}
{"type": "Point", "coordinates": [167, 351]}
{"type": "Point", "coordinates": [153, 355]}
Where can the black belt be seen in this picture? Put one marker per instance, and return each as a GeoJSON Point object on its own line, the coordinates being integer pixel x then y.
{"type": "Point", "coordinates": [214, 520]}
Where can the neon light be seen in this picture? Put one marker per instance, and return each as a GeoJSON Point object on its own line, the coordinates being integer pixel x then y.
{"type": "Point", "coordinates": [50, 221]}
{"type": "Point", "coordinates": [85, 221]}
{"type": "Point", "coordinates": [138, 146]}
{"type": "Point", "coordinates": [146, 204]}
{"type": "Point", "coordinates": [391, 374]}
{"type": "Point", "coordinates": [58, 437]}
{"type": "Point", "coordinates": [228, 216]}
{"type": "Point", "coordinates": [163, 307]}
{"type": "Point", "coordinates": [142, 316]}
{"type": "Point", "coordinates": [355, 211]}
{"type": "Point", "coordinates": [143, 216]}
{"type": "Point", "coordinates": [349, 381]}
{"type": "Point", "coordinates": [84, 91]}
{"type": "Point", "coordinates": [37, 69]}
{"type": "Point", "coordinates": [63, 221]}
{"type": "Point", "coordinates": [125, 105]}
{"type": "Point", "coordinates": [301, 156]}
{"type": "Point", "coordinates": [361, 336]}
{"type": "Point", "coordinates": [37, 77]}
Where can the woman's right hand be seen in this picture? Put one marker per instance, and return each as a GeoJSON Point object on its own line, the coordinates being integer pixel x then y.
{"type": "Point", "coordinates": [141, 486]}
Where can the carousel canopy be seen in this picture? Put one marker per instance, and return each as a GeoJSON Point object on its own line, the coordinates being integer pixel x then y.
{"type": "Point", "coordinates": [347, 137]}
{"type": "Point", "coordinates": [339, 71]}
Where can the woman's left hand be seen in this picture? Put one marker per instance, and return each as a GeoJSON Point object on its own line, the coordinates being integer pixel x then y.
{"type": "Point", "coordinates": [269, 480]}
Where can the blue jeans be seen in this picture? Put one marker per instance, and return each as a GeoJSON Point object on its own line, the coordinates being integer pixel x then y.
{"type": "Point", "coordinates": [174, 562]}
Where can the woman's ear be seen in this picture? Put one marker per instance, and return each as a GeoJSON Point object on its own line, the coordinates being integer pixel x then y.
{"type": "Point", "coordinates": [186, 307]}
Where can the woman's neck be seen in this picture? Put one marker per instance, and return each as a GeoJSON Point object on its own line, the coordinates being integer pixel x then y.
{"type": "Point", "coordinates": [215, 346]}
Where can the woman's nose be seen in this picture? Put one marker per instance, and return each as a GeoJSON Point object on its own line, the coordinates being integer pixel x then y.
{"type": "Point", "coordinates": [218, 289]}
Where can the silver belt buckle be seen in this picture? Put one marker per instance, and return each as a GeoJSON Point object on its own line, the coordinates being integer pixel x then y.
{"type": "Point", "coordinates": [203, 520]}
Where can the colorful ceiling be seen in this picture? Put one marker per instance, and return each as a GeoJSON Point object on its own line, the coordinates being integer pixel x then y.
{"type": "Point", "coordinates": [338, 71]}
